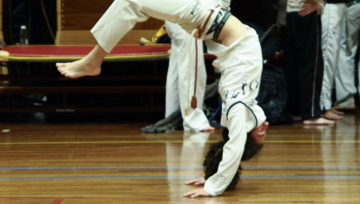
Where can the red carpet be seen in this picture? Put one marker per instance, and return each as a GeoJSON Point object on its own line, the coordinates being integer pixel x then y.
{"type": "Point", "coordinates": [53, 52]}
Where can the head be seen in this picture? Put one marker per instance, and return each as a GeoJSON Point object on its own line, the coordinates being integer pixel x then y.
{"type": "Point", "coordinates": [254, 143]}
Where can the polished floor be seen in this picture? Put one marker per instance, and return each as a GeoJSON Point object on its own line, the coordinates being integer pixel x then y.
{"type": "Point", "coordinates": [117, 163]}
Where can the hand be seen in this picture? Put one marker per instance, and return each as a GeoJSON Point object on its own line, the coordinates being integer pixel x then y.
{"type": "Point", "coordinates": [196, 182]}
{"type": "Point", "coordinates": [310, 7]}
{"type": "Point", "coordinates": [200, 192]}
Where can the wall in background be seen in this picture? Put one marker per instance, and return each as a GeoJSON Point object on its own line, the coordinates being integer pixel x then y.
{"type": "Point", "coordinates": [32, 14]}
{"type": "Point", "coordinates": [41, 29]}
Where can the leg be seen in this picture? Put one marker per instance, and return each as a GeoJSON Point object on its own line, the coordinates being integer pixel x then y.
{"type": "Point", "coordinates": [180, 57]}
{"type": "Point", "coordinates": [354, 29]}
{"type": "Point", "coordinates": [172, 102]}
{"type": "Point", "coordinates": [345, 80]}
{"type": "Point", "coordinates": [121, 17]}
{"type": "Point", "coordinates": [112, 26]}
{"type": "Point", "coordinates": [332, 28]}
{"type": "Point", "coordinates": [194, 119]}
{"type": "Point", "coordinates": [291, 66]}
{"type": "Point", "coordinates": [309, 66]}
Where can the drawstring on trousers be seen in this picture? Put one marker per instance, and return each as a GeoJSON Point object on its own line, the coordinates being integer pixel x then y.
{"type": "Point", "coordinates": [197, 33]}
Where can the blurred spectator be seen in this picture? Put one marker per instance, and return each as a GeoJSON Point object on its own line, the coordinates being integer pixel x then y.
{"type": "Point", "coordinates": [304, 60]}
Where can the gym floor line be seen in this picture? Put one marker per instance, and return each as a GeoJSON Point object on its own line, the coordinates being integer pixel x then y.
{"type": "Point", "coordinates": [173, 177]}
{"type": "Point", "coordinates": [179, 141]}
{"type": "Point", "coordinates": [169, 168]}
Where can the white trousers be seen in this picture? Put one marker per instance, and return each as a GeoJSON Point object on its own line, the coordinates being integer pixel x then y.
{"type": "Point", "coordinates": [240, 65]}
{"type": "Point", "coordinates": [189, 14]}
{"type": "Point", "coordinates": [180, 78]}
{"type": "Point", "coordinates": [332, 29]}
{"type": "Point", "coordinates": [345, 80]}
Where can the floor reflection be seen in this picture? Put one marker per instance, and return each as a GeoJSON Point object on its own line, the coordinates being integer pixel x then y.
{"type": "Point", "coordinates": [189, 154]}
{"type": "Point", "coordinates": [339, 150]}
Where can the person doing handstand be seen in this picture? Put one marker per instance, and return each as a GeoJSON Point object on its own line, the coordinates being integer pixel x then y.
{"type": "Point", "coordinates": [239, 61]}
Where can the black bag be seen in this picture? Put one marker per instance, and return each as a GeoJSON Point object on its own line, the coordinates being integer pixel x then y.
{"type": "Point", "coordinates": [273, 95]}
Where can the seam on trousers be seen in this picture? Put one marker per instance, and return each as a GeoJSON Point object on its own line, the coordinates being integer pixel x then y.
{"type": "Point", "coordinates": [316, 68]}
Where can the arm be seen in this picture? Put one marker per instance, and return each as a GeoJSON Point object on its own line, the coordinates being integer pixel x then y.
{"type": "Point", "coordinates": [232, 153]}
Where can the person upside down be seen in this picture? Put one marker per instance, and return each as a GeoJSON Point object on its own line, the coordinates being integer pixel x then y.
{"type": "Point", "coordinates": [239, 61]}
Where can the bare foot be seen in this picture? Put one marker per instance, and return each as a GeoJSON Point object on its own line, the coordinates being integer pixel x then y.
{"type": "Point", "coordinates": [318, 121]}
{"type": "Point", "coordinates": [208, 129]}
{"type": "Point", "coordinates": [348, 104]}
{"type": "Point", "coordinates": [78, 69]}
{"type": "Point", "coordinates": [330, 115]}
{"type": "Point", "coordinates": [259, 133]}
{"type": "Point", "coordinates": [337, 112]}
{"type": "Point", "coordinates": [90, 65]}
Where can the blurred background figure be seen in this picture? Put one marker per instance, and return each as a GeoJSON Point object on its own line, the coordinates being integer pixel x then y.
{"type": "Point", "coordinates": [304, 60]}
{"type": "Point", "coordinates": [332, 19]}
{"type": "Point", "coordinates": [345, 79]}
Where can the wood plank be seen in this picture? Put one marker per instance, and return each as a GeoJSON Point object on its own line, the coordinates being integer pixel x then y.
{"type": "Point", "coordinates": [76, 17]}
{"type": "Point", "coordinates": [79, 21]}
{"type": "Point", "coordinates": [75, 6]}
{"type": "Point", "coordinates": [116, 163]}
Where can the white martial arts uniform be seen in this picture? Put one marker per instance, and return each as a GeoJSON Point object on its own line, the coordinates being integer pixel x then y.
{"type": "Point", "coordinates": [180, 79]}
{"type": "Point", "coordinates": [345, 80]}
{"type": "Point", "coordinates": [240, 113]}
{"type": "Point", "coordinates": [332, 29]}
{"type": "Point", "coordinates": [240, 65]}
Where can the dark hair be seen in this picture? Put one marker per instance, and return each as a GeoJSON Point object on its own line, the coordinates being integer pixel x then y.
{"type": "Point", "coordinates": [214, 156]}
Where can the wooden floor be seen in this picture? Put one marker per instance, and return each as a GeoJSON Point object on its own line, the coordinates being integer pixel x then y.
{"type": "Point", "coordinates": [117, 163]}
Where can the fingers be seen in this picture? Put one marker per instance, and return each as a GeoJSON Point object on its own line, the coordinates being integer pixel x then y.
{"type": "Point", "coordinates": [190, 193]}
{"type": "Point", "coordinates": [308, 9]}
{"type": "Point", "coordinates": [304, 12]}
{"type": "Point", "coordinates": [196, 182]}
{"type": "Point", "coordinates": [189, 182]}
{"type": "Point", "coordinates": [196, 193]}
{"type": "Point", "coordinates": [200, 182]}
